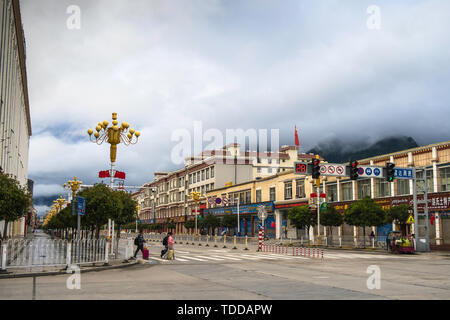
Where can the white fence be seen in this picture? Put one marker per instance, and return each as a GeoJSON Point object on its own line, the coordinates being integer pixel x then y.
{"type": "Point", "coordinates": [35, 253]}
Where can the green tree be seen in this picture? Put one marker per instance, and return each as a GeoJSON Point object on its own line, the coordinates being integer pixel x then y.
{"type": "Point", "coordinates": [331, 218]}
{"type": "Point", "coordinates": [100, 203]}
{"type": "Point", "coordinates": [125, 211]}
{"type": "Point", "coordinates": [210, 222]}
{"type": "Point", "coordinates": [15, 201]}
{"type": "Point", "coordinates": [365, 213]}
{"type": "Point", "coordinates": [229, 221]}
{"type": "Point", "coordinates": [399, 214]}
{"type": "Point", "coordinates": [301, 217]}
{"type": "Point", "coordinates": [190, 224]}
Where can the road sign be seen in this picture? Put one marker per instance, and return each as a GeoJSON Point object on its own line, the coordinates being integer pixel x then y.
{"type": "Point", "coordinates": [333, 169]}
{"type": "Point", "coordinates": [262, 214]}
{"type": "Point", "coordinates": [410, 220]}
{"type": "Point", "coordinates": [81, 206]}
{"type": "Point", "coordinates": [370, 172]}
{"type": "Point", "coordinates": [323, 207]}
{"type": "Point", "coordinates": [404, 173]}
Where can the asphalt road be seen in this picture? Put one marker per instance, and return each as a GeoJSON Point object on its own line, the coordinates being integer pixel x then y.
{"type": "Point", "coordinates": [201, 273]}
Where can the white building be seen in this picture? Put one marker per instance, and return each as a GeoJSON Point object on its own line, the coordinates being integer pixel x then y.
{"type": "Point", "coordinates": [15, 121]}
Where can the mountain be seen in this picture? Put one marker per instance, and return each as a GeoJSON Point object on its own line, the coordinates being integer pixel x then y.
{"type": "Point", "coordinates": [337, 151]}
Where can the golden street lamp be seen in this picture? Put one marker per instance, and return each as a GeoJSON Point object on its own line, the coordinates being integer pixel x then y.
{"type": "Point", "coordinates": [74, 185]}
{"type": "Point", "coordinates": [59, 203]}
{"type": "Point", "coordinates": [113, 135]}
{"type": "Point", "coordinates": [196, 196]}
{"type": "Point", "coordinates": [137, 209]}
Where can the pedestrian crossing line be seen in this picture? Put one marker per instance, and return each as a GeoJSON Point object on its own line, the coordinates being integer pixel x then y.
{"type": "Point", "coordinates": [269, 257]}
{"type": "Point", "coordinates": [228, 257]}
{"type": "Point", "coordinates": [180, 259]}
{"type": "Point", "coordinates": [211, 258]}
{"type": "Point", "coordinates": [193, 258]}
{"type": "Point", "coordinates": [279, 256]}
{"type": "Point", "coordinates": [246, 257]}
{"type": "Point", "coordinates": [158, 259]}
{"type": "Point", "coordinates": [183, 252]}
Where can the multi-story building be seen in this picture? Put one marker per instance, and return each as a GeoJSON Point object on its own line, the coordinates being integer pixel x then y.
{"type": "Point", "coordinates": [432, 162]}
{"type": "Point", "coordinates": [169, 192]}
{"type": "Point", "coordinates": [15, 121]}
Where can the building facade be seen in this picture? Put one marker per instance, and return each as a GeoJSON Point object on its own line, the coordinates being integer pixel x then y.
{"type": "Point", "coordinates": [167, 198]}
{"type": "Point", "coordinates": [15, 121]}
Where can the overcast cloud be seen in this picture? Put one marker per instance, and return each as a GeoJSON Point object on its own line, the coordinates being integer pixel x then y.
{"type": "Point", "coordinates": [259, 64]}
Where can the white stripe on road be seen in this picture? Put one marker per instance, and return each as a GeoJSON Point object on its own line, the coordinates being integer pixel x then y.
{"type": "Point", "coordinates": [245, 257]}
{"type": "Point", "coordinates": [179, 259]}
{"type": "Point", "coordinates": [227, 257]}
{"type": "Point", "coordinates": [217, 259]}
{"type": "Point", "coordinates": [184, 257]}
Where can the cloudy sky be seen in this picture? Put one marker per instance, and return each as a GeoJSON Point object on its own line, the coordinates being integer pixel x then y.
{"type": "Point", "coordinates": [261, 64]}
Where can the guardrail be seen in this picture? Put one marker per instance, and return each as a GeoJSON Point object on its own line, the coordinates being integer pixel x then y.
{"type": "Point", "coordinates": [26, 253]}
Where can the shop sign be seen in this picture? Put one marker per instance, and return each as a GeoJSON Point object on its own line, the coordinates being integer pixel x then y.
{"type": "Point", "coordinates": [290, 205]}
{"type": "Point", "coordinates": [244, 208]}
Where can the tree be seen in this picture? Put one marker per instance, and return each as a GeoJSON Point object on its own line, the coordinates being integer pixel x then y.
{"type": "Point", "coordinates": [302, 217]}
{"type": "Point", "coordinates": [190, 224]}
{"type": "Point", "coordinates": [331, 218]}
{"type": "Point", "coordinates": [15, 201]}
{"type": "Point", "coordinates": [125, 212]}
{"type": "Point", "coordinates": [100, 203]}
{"type": "Point", "coordinates": [210, 222]}
{"type": "Point", "coordinates": [365, 213]}
{"type": "Point", "coordinates": [229, 221]}
{"type": "Point", "coordinates": [399, 214]}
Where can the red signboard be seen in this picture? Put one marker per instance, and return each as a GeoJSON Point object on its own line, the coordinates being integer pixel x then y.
{"type": "Point", "coordinates": [290, 205]}
{"type": "Point", "coordinates": [301, 168]}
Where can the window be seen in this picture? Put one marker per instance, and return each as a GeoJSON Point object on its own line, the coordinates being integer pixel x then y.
{"type": "Point", "coordinates": [402, 187]}
{"type": "Point", "coordinates": [383, 188]}
{"type": "Point", "coordinates": [212, 172]}
{"type": "Point", "coordinates": [347, 191]}
{"type": "Point", "coordinates": [259, 170]}
{"type": "Point", "coordinates": [258, 196]}
{"type": "Point", "coordinates": [203, 190]}
{"type": "Point", "coordinates": [269, 170]}
{"type": "Point", "coordinates": [269, 161]}
{"type": "Point", "coordinates": [248, 197]}
{"type": "Point", "coordinates": [332, 192]}
{"type": "Point", "coordinates": [190, 179]}
{"type": "Point", "coordinates": [203, 175]}
{"type": "Point", "coordinates": [445, 179]}
{"type": "Point", "coordinates": [198, 176]}
{"type": "Point", "coordinates": [288, 190]}
{"type": "Point", "coordinates": [259, 160]}
{"type": "Point", "coordinates": [195, 178]}
{"type": "Point", "coordinates": [272, 194]}
{"type": "Point", "coordinates": [212, 186]}
{"type": "Point", "coordinates": [300, 188]}
{"type": "Point", "coordinates": [429, 181]}
{"type": "Point", "coordinates": [364, 188]}
{"type": "Point", "coordinates": [207, 173]}
{"type": "Point", "coordinates": [207, 187]}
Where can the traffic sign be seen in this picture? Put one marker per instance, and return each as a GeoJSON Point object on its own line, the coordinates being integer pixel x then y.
{"type": "Point", "coordinates": [404, 173]}
{"type": "Point", "coordinates": [81, 206]}
{"type": "Point", "coordinates": [370, 172]}
{"type": "Point", "coordinates": [333, 169]}
{"type": "Point", "coordinates": [323, 207]}
{"type": "Point", "coordinates": [262, 214]}
{"type": "Point", "coordinates": [410, 220]}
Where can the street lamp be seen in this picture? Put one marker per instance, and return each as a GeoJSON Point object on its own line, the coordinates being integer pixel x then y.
{"type": "Point", "coordinates": [74, 185]}
{"type": "Point", "coordinates": [113, 135]}
{"type": "Point", "coordinates": [195, 195]}
{"type": "Point", "coordinates": [239, 224]}
{"type": "Point", "coordinates": [59, 203]}
{"type": "Point", "coordinates": [137, 209]}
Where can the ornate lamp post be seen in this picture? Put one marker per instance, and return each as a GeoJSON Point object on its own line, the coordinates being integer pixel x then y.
{"type": "Point", "coordinates": [195, 195]}
{"type": "Point", "coordinates": [74, 185]}
{"type": "Point", "coordinates": [59, 203]}
{"type": "Point", "coordinates": [137, 209]}
{"type": "Point", "coordinates": [113, 135]}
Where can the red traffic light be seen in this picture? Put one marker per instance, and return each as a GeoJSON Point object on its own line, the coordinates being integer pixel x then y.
{"type": "Point", "coordinates": [316, 162]}
{"type": "Point", "coordinates": [355, 164]}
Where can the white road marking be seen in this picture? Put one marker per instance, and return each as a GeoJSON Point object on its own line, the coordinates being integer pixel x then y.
{"type": "Point", "coordinates": [227, 257]}
{"type": "Point", "coordinates": [184, 257]}
{"type": "Point", "coordinates": [211, 258]}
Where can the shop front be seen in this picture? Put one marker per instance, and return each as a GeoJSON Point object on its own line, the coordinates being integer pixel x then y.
{"type": "Point", "coordinates": [284, 229]}
{"type": "Point", "coordinates": [248, 218]}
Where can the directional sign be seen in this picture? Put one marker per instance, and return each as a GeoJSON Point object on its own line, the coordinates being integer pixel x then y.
{"type": "Point", "coordinates": [404, 173]}
{"type": "Point", "coordinates": [333, 169]}
{"type": "Point", "coordinates": [371, 172]}
{"type": "Point", "coordinates": [81, 204]}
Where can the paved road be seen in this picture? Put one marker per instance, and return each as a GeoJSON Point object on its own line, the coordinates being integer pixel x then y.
{"type": "Point", "coordinates": [215, 273]}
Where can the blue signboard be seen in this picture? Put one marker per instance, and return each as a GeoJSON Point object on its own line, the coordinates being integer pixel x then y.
{"type": "Point", "coordinates": [404, 173]}
{"type": "Point", "coordinates": [243, 209]}
{"type": "Point", "coordinates": [81, 206]}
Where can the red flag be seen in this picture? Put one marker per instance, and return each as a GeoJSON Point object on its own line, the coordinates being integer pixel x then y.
{"type": "Point", "coordinates": [297, 141]}
{"type": "Point", "coordinates": [103, 174]}
{"type": "Point", "coordinates": [119, 175]}
{"type": "Point", "coordinates": [432, 219]}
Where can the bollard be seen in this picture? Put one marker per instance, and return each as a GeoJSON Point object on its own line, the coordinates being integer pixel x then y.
{"type": "Point", "coordinates": [3, 267]}
{"type": "Point", "coordinates": [340, 242]}
{"type": "Point", "coordinates": [207, 240]}
{"type": "Point", "coordinates": [106, 254]}
{"type": "Point", "coordinates": [309, 252]}
{"type": "Point", "coordinates": [246, 243]}
{"type": "Point", "coordinates": [215, 241]}
{"type": "Point", "coordinates": [69, 256]}
{"type": "Point", "coordinates": [234, 241]}
{"type": "Point", "coordinates": [322, 254]}
{"type": "Point", "coordinates": [224, 241]}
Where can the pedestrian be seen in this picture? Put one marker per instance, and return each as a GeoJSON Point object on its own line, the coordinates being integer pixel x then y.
{"type": "Point", "coordinates": [170, 242]}
{"type": "Point", "coordinates": [165, 243]}
{"type": "Point", "coordinates": [139, 242]}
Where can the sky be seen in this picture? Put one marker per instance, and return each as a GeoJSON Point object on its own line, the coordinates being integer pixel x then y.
{"type": "Point", "coordinates": [250, 64]}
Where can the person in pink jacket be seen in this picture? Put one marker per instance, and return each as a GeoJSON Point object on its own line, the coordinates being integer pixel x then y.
{"type": "Point", "coordinates": [170, 243]}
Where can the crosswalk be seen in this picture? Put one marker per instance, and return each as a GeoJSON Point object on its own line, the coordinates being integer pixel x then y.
{"type": "Point", "coordinates": [227, 256]}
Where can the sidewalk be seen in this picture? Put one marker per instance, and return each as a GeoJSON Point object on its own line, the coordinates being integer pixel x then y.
{"type": "Point", "coordinates": [49, 271]}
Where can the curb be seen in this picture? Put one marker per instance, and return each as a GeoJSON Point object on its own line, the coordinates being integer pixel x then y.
{"type": "Point", "coordinates": [56, 273]}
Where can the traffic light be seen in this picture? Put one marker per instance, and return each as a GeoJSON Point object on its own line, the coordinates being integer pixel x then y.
{"type": "Point", "coordinates": [315, 168]}
{"type": "Point", "coordinates": [354, 170]}
{"type": "Point", "coordinates": [390, 172]}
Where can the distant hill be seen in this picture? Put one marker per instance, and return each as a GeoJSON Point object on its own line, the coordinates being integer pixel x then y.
{"type": "Point", "coordinates": [337, 151]}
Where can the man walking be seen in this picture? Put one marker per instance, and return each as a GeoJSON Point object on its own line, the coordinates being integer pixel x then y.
{"type": "Point", "coordinates": [139, 241]}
